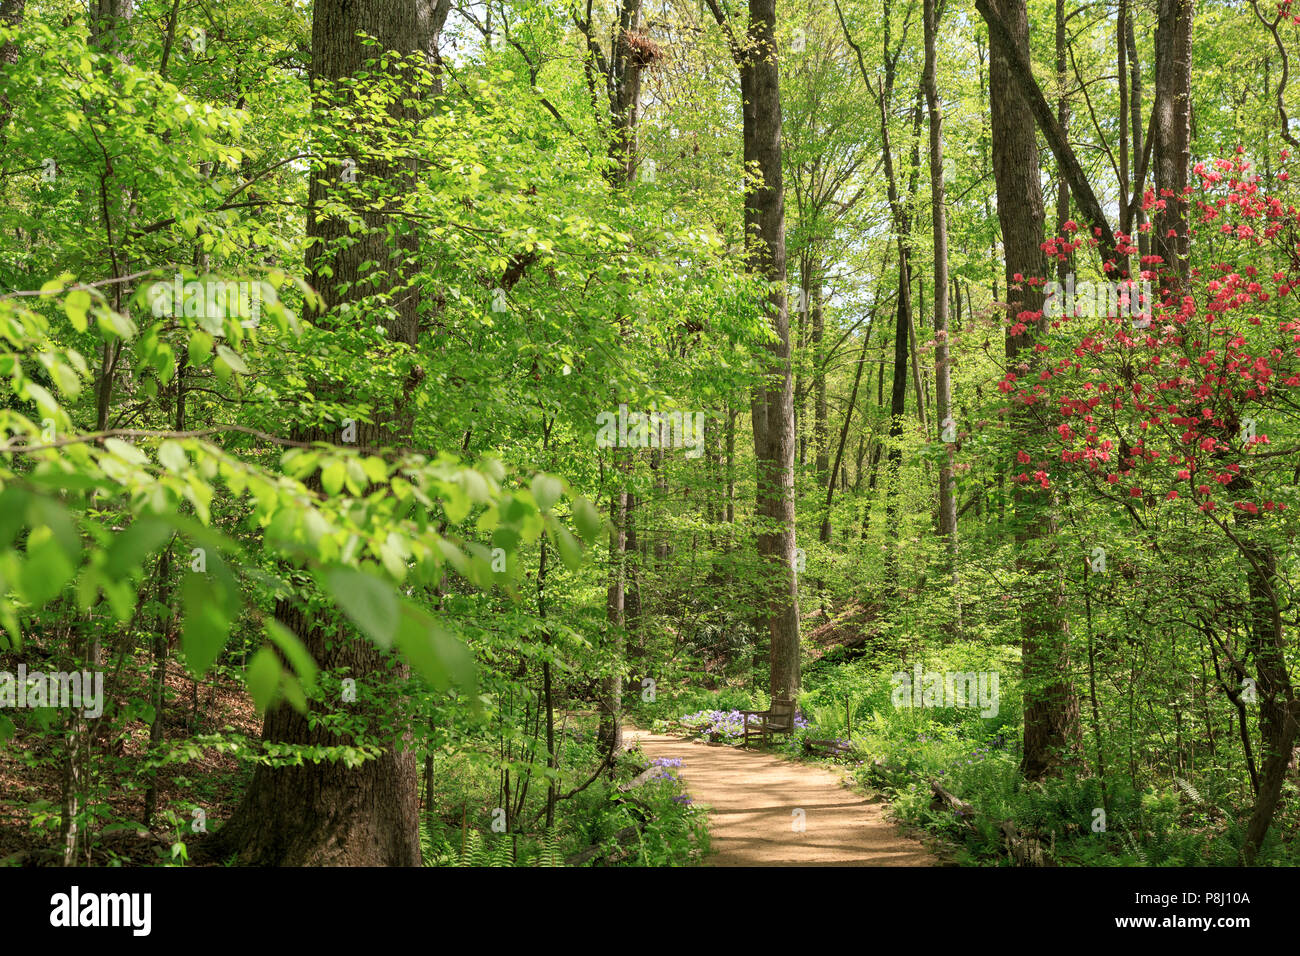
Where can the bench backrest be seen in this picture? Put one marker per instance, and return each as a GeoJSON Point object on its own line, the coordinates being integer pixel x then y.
{"type": "Point", "coordinates": [782, 714]}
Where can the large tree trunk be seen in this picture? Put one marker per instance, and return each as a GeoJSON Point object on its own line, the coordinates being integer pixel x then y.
{"type": "Point", "coordinates": [1171, 134]}
{"type": "Point", "coordinates": [772, 409]}
{"type": "Point", "coordinates": [1051, 707]}
{"type": "Point", "coordinates": [1138, 215]}
{"type": "Point", "coordinates": [1016, 70]}
{"type": "Point", "coordinates": [773, 405]}
{"type": "Point", "coordinates": [1063, 117]}
{"type": "Point", "coordinates": [326, 813]}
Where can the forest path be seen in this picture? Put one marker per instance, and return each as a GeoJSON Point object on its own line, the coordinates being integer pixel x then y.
{"type": "Point", "coordinates": [754, 796]}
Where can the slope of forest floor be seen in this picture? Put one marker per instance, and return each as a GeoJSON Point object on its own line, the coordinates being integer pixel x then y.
{"type": "Point", "coordinates": [203, 778]}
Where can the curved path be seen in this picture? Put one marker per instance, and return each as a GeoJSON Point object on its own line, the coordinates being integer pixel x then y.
{"type": "Point", "coordinates": [759, 801]}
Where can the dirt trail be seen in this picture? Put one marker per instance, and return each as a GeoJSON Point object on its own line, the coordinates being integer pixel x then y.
{"type": "Point", "coordinates": [754, 796]}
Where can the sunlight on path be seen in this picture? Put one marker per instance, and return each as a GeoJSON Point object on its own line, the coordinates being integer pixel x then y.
{"type": "Point", "coordinates": [754, 797]}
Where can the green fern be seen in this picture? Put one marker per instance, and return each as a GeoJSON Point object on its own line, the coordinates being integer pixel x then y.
{"type": "Point", "coordinates": [1188, 789]}
{"type": "Point", "coordinates": [551, 852]}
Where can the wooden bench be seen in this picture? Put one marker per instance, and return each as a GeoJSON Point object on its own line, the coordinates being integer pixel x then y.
{"type": "Point", "coordinates": [766, 724]}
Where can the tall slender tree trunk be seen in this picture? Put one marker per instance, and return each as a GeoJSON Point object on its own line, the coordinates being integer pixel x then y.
{"type": "Point", "coordinates": [897, 409]}
{"type": "Point", "coordinates": [942, 355]}
{"type": "Point", "coordinates": [1279, 710]}
{"type": "Point", "coordinates": [1171, 141]}
{"type": "Point", "coordinates": [844, 435]}
{"type": "Point", "coordinates": [1051, 734]}
{"type": "Point", "coordinates": [1135, 124]}
{"type": "Point", "coordinates": [1121, 75]}
{"type": "Point", "coordinates": [1063, 117]}
{"type": "Point", "coordinates": [624, 84]}
{"type": "Point", "coordinates": [110, 23]}
{"type": "Point", "coordinates": [821, 411]}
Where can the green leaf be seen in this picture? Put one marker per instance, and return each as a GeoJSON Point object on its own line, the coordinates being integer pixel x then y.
{"type": "Point", "coordinates": [200, 348]}
{"type": "Point", "coordinates": [263, 677]}
{"type": "Point", "coordinates": [173, 457]}
{"type": "Point", "coordinates": [567, 545]}
{"type": "Point", "coordinates": [45, 511]}
{"type": "Point", "coordinates": [371, 604]}
{"type": "Point", "coordinates": [547, 490]}
{"type": "Point", "coordinates": [299, 462]}
{"type": "Point", "coordinates": [375, 469]}
{"type": "Point", "coordinates": [206, 624]}
{"type": "Point", "coordinates": [356, 477]}
{"type": "Point", "coordinates": [587, 519]}
{"type": "Point", "coordinates": [13, 507]}
{"type": "Point", "coordinates": [433, 652]}
{"type": "Point", "coordinates": [293, 692]}
{"type": "Point", "coordinates": [333, 475]}
{"type": "Point", "coordinates": [455, 504]}
{"type": "Point", "coordinates": [231, 358]}
{"type": "Point", "coordinates": [77, 304]}
{"type": "Point", "coordinates": [46, 570]}
{"type": "Point", "coordinates": [294, 650]}
{"type": "Point", "coordinates": [126, 451]}
{"type": "Point", "coordinates": [130, 547]}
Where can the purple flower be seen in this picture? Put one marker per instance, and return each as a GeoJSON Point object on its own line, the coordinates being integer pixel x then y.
{"type": "Point", "coordinates": [716, 724]}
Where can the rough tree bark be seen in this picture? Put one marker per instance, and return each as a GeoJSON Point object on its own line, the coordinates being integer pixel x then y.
{"type": "Point", "coordinates": [772, 408]}
{"type": "Point", "coordinates": [1018, 75]}
{"type": "Point", "coordinates": [325, 814]}
{"type": "Point", "coordinates": [1171, 132]}
{"type": "Point", "coordinates": [1052, 732]}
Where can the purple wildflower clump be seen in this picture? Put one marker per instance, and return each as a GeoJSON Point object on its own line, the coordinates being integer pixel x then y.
{"type": "Point", "coordinates": [716, 724]}
{"type": "Point", "coordinates": [665, 766]}
{"type": "Point", "coordinates": [682, 799]}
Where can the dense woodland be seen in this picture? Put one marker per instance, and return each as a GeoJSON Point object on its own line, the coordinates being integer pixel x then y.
{"type": "Point", "coordinates": [402, 400]}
